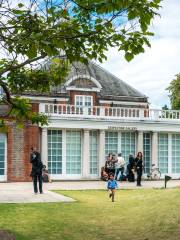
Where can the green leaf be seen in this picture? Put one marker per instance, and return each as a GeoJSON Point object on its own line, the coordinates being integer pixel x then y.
{"type": "Point", "coordinates": [32, 51]}
{"type": "Point", "coordinates": [20, 5]}
{"type": "Point", "coordinates": [129, 56]}
{"type": "Point", "coordinates": [17, 11]}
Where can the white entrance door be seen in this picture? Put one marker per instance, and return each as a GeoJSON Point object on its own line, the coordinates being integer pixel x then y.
{"type": "Point", "coordinates": [3, 157]}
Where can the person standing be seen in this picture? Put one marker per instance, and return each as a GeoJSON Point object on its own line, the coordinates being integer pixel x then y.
{"type": "Point", "coordinates": [110, 164]}
{"type": "Point", "coordinates": [36, 172]}
{"type": "Point", "coordinates": [130, 168]}
{"type": "Point", "coordinates": [139, 167]}
{"type": "Point", "coordinates": [119, 167]}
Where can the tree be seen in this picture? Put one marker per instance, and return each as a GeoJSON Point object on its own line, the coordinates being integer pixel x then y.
{"type": "Point", "coordinates": [174, 90]}
{"type": "Point", "coordinates": [32, 32]}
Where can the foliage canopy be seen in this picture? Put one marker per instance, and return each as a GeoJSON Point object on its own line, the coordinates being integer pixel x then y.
{"type": "Point", "coordinates": [174, 90]}
{"type": "Point", "coordinates": [32, 32]}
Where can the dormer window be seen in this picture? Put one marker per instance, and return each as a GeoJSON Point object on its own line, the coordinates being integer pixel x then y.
{"type": "Point", "coordinates": [83, 100]}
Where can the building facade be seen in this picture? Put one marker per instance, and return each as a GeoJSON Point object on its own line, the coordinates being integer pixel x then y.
{"type": "Point", "coordinates": [92, 114]}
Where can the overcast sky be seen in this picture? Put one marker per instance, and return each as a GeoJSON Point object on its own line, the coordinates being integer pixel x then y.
{"type": "Point", "coordinates": [152, 71]}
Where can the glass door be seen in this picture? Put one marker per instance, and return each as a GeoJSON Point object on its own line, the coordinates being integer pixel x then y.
{"type": "Point", "coordinates": [3, 175]}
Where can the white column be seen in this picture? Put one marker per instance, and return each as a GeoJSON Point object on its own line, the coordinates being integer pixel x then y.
{"type": "Point", "coordinates": [140, 141]}
{"type": "Point", "coordinates": [85, 167]}
{"type": "Point", "coordinates": [64, 152]}
{"type": "Point", "coordinates": [101, 150]}
{"type": "Point", "coordinates": [169, 153]}
{"type": "Point", "coordinates": [119, 142]}
{"type": "Point", "coordinates": [155, 148]}
{"type": "Point", "coordinates": [44, 147]}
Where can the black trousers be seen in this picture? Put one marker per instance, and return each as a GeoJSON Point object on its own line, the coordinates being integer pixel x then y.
{"type": "Point", "coordinates": [131, 176]}
{"type": "Point", "coordinates": [139, 175]}
{"type": "Point", "coordinates": [37, 178]}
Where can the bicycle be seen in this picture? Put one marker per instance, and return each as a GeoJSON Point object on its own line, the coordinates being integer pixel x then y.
{"type": "Point", "coordinates": [155, 173]}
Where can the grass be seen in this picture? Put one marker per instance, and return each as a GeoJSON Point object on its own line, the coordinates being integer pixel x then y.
{"type": "Point", "coordinates": [135, 214]}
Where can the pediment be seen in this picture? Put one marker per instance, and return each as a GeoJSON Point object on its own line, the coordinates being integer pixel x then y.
{"type": "Point", "coordinates": [83, 83]}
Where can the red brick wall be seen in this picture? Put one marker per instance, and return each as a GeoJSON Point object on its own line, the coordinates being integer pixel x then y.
{"type": "Point", "coordinates": [19, 142]}
{"type": "Point", "coordinates": [9, 153]}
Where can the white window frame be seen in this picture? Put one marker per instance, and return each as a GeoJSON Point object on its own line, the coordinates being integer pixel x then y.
{"type": "Point", "coordinates": [83, 100]}
{"type": "Point", "coordinates": [75, 175]}
{"type": "Point", "coordinates": [54, 175]}
{"type": "Point", "coordinates": [91, 153]}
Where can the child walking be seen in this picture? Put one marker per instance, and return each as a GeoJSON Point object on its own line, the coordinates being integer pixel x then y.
{"type": "Point", "coordinates": [112, 186]}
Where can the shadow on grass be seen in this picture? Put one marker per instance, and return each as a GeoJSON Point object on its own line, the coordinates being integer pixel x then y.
{"type": "Point", "coordinates": [11, 235]}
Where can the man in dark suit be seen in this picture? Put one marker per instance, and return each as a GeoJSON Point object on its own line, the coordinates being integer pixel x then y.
{"type": "Point", "coordinates": [36, 173]}
{"type": "Point", "coordinates": [139, 167]}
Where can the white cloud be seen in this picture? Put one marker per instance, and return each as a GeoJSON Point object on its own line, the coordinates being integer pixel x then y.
{"type": "Point", "coordinates": [152, 71]}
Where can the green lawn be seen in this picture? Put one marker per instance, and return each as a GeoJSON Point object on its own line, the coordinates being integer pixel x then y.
{"type": "Point", "coordinates": [136, 214]}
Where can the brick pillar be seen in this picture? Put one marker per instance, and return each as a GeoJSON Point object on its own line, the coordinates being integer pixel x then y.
{"type": "Point", "coordinates": [19, 142]}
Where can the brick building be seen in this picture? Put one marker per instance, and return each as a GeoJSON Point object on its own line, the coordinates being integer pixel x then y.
{"type": "Point", "coordinates": [92, 114]}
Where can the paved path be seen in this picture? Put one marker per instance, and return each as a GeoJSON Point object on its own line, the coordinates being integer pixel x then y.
{"type": "Point", "coordinates": [82, 185]}
{"type": "Point", "coordinates": [23, 192]}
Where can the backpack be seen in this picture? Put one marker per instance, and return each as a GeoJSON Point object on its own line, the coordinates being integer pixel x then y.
{"type": "Point", "coordinates": [122, 178]}
{"type": "Point", "coordinates": [45, 178]}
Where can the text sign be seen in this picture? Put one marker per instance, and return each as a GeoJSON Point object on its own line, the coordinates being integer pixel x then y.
{"type": "Point", "coordinates": [122, 128]}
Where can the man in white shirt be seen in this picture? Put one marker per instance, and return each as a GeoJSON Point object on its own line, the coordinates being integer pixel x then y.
{"type": "Point", "coordinates": [119, 166]}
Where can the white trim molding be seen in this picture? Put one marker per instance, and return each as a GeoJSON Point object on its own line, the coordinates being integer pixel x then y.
{"type": "Point", "coordinates": [85, 154]}
{"type": "Point", "coordinates": [144, 104]}
{"type": "Point", "coordinates": [46, 98]}
{"type": "Point", "coordinates": [84, 76]}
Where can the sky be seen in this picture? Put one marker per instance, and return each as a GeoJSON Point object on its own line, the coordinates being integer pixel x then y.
{"type": "Point", "coordinates": [151, 72]}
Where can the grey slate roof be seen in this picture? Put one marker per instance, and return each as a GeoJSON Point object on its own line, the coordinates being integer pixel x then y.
{"type": "Point", "coordinates": [112, 86]}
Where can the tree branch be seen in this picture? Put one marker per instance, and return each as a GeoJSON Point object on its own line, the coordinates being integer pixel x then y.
{"type": "Point", "coordinates": [28, 61]}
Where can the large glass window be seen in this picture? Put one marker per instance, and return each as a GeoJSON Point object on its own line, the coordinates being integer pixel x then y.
{"type": "Point", "coordinates": [2, 154]}
{"type": "Point", "coordinates": [147, 152]}
{"type": "Point", "coordinates": [111, 143]}
{"type": "Point", "coordinates": [175, 153]}
{"type": "Point", "coordinates": [55, 151]}
{"type": "Point", "coordinates": [93, 152]}
{"type": "Point", "coordinates": [128, 144]}
{"type": "Point", "coordinates": [73, 152]}
{"type": "Point", "coordinates": [163, 152]}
